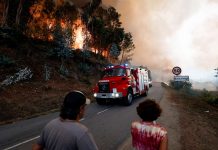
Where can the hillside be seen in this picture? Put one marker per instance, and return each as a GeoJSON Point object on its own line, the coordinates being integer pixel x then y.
{"type": "Point", "coordinates": [51, 75]}
{"type": "Point", "coordinates": [49, 48]}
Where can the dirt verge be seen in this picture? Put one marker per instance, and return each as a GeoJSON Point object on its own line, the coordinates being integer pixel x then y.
{"type": "Point", "coordinates": [198, 121]}
{"type": "Point", "coordinates": [27, 100]}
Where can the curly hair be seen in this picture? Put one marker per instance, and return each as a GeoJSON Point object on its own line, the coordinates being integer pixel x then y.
{"type": "Point", "coordinates": [148, 110]}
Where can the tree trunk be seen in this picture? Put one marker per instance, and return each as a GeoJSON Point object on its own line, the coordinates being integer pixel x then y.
{"type": "Point", "coordinates": [19, 10]}
{"type": "Point", "coordinates": [5, 12]}
{"type": "Point", "coordinates": [122, 57]}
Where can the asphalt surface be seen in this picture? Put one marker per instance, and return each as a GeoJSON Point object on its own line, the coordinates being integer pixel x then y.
{"type": "Point", "coordinates": [109, 124]}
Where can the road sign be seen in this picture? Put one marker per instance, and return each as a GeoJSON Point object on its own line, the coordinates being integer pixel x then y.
{"type": "Point", "coordinates": [176, 70]}
{"type": "Point", "coordinates": [181, 78]}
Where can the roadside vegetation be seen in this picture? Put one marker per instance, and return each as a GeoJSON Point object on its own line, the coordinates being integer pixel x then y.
{"type": "Point", "coordinates": [198, 116]}
{"type": "Point", "coordinates": [185, 88]}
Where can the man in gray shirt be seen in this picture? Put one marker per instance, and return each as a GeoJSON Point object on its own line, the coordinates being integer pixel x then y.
{"type": "Point", "coordinates": [66, 132]}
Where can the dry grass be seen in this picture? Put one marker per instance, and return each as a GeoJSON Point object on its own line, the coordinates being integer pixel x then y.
{"type": "Point", "coordinates": [31, 99]}
{"type": "Point", "coordinates": [198, 122]}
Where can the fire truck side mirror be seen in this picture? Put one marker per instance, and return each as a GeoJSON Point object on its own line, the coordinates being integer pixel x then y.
{"type": "Point", "coordinates": [131, 71]}
{"type": "Point", "coordinates": [124, 78]}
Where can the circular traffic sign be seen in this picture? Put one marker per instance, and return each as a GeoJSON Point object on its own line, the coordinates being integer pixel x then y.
{"type": "Point", "coordinates": [176, 70]}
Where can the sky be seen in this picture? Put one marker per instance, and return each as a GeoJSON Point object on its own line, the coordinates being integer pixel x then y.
{"type": "Point", "coordinates": [170, 33]}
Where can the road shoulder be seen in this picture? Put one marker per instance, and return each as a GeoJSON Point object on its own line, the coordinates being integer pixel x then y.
{"type": "Point", "coordinates": [169, 119]}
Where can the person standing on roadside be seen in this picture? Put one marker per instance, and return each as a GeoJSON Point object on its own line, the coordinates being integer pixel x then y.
{"type": "Point", "coordinates": [66, 132]}
{"type": "Point", "coordinates": [147, 134]}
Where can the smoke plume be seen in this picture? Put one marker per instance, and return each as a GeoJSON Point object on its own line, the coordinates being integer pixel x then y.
{"type": "Point", "coordinates": [170, 33]}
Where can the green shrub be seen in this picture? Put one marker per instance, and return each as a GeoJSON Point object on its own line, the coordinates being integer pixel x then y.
{"type": "Point", "coordinates": [181, 85]}
{"type": "Point", "coordinates": [64, 71]}
{"type": "Point", "coordinates": [209, 97]}
{"type": "Point", "coordinates": [86, 54]}
{"type": "Point", "coordinates": [84, 67]}
{"type": "Point", "coordinates": [6, 61]}
{"type": "Point", "coordinates": [60, 53]}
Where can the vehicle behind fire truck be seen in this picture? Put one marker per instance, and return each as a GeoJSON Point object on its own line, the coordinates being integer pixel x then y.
{"type": "Point", "coordinates": [121, 82]}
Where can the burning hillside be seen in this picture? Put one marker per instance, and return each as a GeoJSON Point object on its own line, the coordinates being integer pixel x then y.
{"type": "Point", "coordinates": [61, 17]}
{"type": "Point", "coordinates": [59, 29]}
{"type": "Point", "coordinates": [72, 23]}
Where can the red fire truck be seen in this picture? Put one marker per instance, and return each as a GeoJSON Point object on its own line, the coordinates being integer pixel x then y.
{"type": "Point", "coordinates": [122, 82]}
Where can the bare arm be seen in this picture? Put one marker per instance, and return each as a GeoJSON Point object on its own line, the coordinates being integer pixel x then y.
{"type": "Point", "coordinates": [164, 143]}
{"type": "Point", "coordinates": [37, 147]}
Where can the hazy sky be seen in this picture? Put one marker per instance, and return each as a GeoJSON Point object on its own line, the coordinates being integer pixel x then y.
{"type": "Point", "coordinates": [170, 33]}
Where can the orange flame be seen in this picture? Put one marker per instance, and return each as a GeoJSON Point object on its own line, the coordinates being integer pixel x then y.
{"type": "Point", "coordinates": [63, 24]}
{"type": "Point", "coordinates": [42, 27]}
{"type": "Point", "coordinates": [104, 52]}
{"type": "Point", "coordinates": [50, 23]}
{"type": "Point", "coordinates": [79, 41]}
{"type": "Point", "coordinates": [78, 28]}
{"type": "Point", "coordinates": [50, 37]}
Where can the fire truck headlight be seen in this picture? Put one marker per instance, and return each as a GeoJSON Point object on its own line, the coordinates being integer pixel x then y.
{"type": "Point", "coordinates": [116, 95]}
{"type": "Point", "coordinates": [114, 90]}
{"type": "Point", "coordinates": [95, 94]}
{"type": "Point", "coordinates": [113, 94]}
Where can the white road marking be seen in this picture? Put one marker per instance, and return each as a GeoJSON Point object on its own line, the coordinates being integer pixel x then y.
{"type": "Point", "coordinates": [22, 143]}
{"type": "Point", "coordinates": [39, 136]}
{"type": "Point", "coordinates": [102, 111]}
{"type": "Point", "coordinates": [166, 83]}
{"type": "Point", "coordinates": [82, 119]}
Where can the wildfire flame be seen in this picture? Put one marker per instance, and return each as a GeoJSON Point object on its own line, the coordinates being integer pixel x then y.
{"type": "Point", "coordinates": [42, 26]}
{"type": "Point", "coordinates": [104, 52]}
{"type": "Point", "coordinates": [79, 35]}
{"type": "Point", "coordinates": [63, 24]}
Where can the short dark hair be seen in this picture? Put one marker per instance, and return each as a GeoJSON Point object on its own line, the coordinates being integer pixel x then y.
{"type": "Point", "coordinates": [71, 105]}
{"type": "Point", "coordinates": [149, 110]}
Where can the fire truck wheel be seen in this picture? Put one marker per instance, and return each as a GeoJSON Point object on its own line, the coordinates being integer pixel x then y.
{"type": "Point", "coordinates": [100, 101]}
{"type": "Point", "coordinates": [128, 98]}
{"type": "Point", "coordinates": [146, 93]}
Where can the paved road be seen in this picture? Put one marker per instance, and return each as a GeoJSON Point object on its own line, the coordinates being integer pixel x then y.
{"type": "Point", "coordinates": [109, 124]}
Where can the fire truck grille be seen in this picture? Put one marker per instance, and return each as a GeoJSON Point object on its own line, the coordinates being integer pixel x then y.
{"type": "Point", "coordinates": [104, 87]}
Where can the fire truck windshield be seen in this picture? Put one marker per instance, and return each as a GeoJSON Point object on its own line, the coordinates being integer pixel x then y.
{"type": "Point", "coordinates": [114, 72]}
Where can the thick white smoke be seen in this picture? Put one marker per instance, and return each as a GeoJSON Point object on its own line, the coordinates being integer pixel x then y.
{"type": "Point", "coordinates": [171, 33]}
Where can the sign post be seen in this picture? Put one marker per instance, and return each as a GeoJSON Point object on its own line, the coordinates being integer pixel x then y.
{"type": "Point", "coordinates": [181, 78]}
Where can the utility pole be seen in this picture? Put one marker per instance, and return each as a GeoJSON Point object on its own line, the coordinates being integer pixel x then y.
{"type": "Point", "coordinates": [216, 76]}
